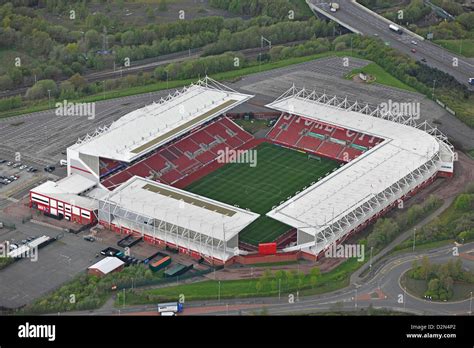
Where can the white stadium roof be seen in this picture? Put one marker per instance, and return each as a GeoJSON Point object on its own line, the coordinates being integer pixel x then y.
{"type": "Point", "coordinates": [68, 190]}
{"type": "Point", "coordinates": [147, 128]}
{"type": "Point", "coordinates": [180, 208]}
{"type": "Point", "coordinates": [403, 151]}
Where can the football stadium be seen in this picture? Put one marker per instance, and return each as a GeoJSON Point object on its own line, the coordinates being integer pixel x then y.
{"type": "Point", "coordinates": [326, 169]}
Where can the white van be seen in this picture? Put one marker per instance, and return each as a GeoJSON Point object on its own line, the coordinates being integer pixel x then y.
{"type": "Point", "coordinates": [167, 314]}
{"type": "Point", "coordinates": [63, 162]}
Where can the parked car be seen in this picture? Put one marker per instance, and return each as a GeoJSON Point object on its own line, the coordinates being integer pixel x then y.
{"type": "Point", "coordinates": [413, 50]}
{"type": "Point", "coordinates": [2, 161]}
{"type": "Point", "coordinates": [9, 163]}
{"type": "Point", "coordinates": [23, 167]}
{"type": "Point", "coordinates": [16, 165]}
{"type": "Point", "coordinates": [49, 169]}
{"type": "Point", "coordinates": [423, 60]}
{"type": "Point", "coordinates": [89, 238]}
{"type": "Point", "coordinates": [414, 42]}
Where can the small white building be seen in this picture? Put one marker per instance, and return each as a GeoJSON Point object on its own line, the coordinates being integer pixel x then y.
{"type": "Point", "coordinates": [105, 266]}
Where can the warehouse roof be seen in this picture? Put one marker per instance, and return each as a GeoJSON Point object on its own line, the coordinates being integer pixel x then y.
{"type": "Point", "coordinates": [147, 128]}
{"type": "Point", "coordinates": [404, 149]}
{"type": "Point", "coordinates": [107, 265]}
{"type": "Point", "coordinates": [188, 210]}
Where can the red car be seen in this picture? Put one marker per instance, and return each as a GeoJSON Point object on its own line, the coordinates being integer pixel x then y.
{"type": "Point", "coordinates": [413, 50]}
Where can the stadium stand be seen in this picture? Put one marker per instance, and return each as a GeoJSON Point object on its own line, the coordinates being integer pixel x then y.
{"type": "Point", "coordinates": [321, 138]}
{"type": "Point", "coordinates": [174, 161]}
{"type": "Point", "coordinates": [108, 166]}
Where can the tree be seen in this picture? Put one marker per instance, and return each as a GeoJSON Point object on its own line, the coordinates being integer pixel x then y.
{"type": "Point", "coordinates": [78, 81]}
{"type": "Point", "coordinates": [150, 14]}
{"type": "Point", "coordinates": [40, 89]}
{"type": "Point", "coordinates": [163, 6]}
{"type": "Point", "coordinates": [5, 82]}
{"type": "Point", "coordinates": [92, 38]}
{"type": "Point", "coordinates": [463, 202]}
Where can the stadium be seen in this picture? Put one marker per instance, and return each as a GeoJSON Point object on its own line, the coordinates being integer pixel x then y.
{"type": "Point", "coordinates": [327, 168]}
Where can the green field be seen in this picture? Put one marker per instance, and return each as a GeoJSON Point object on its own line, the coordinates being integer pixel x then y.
{"type": "Point", "coordinates": [279, 174]}
{"type": "Point", "coordinates": [381, 76]}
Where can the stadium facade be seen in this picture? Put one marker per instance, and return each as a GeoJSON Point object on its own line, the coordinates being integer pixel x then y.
{"type": "Point", "coordinates": [128, 176]}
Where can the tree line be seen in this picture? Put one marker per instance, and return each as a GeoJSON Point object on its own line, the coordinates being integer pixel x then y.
{"type": "Point", "coordinates": [440, 278]}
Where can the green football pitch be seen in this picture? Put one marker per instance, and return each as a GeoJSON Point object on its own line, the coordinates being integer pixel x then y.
{"type": "Point", "coordinates": [279, 174]}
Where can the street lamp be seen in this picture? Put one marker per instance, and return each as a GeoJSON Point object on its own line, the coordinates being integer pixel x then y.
{"type": "Point", "coordinates": [279, 288]}
{"type": "Point", "coordinates": [219, 295]}
{"type": "Point", "coordinates": [371, 249]}
{"type": "Point", "coordinates": [355, 298]}
{"type": "Point", "coordinates": [470, 304]}
{"type": "Point", "coordinates": [414, 238]}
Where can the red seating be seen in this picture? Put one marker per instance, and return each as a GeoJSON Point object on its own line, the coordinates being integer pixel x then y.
{"type": "Point", "coordinates": [349, 153]}
{"type": "Point", "coordinates": [106, 165]}
{"type": "Point", "coordinates": [117, 179]}
{"type": "Point", "coordinates": [323, 129]}
{"type": "Point", "coordinates": [343, 134]}
{"type": "Point", "coordinates": [309, 143]}
{"type": "Point", "coordinates": [187, 145]}
{"type": "Point", "coordinates": [206, 157]}
{"type": "Point", "coordinates": [329, 149]}
{"type": "Point", "coordinates": [292, 130]}
{"type": "Point", "coordinates": [234, 141]}
{"type": "Point", "coordinates": [171, 176]}
{"type": "Point", "coordinates": [140, 169]}
{"type": "Point", "coordinates": [202, 137]}
{"type": "Point", "coordinates": [366, 140]}
{"type": "Point", "coordinates": [219, 147]}
{"type": "Point", "coordinates": [156, 161]}
{"type": "Point", "coordinates": [240, 133]}
{"type": "Point", "coordinates": [183, 162]}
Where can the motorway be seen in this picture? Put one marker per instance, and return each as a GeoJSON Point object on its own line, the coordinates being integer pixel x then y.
{"type": "Point", "coordinates": [357, 18]}
{"type": "Point", "coordinates": [381, 289]}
